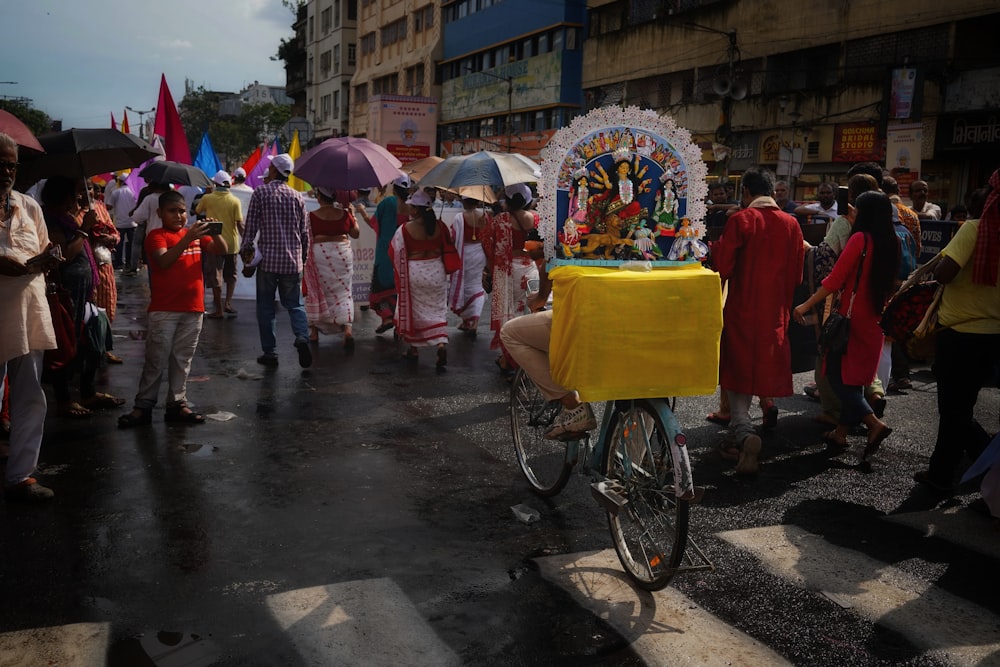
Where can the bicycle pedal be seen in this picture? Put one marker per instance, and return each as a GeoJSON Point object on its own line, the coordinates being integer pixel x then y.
{"type": "Point", "coordinates": [610, 495]}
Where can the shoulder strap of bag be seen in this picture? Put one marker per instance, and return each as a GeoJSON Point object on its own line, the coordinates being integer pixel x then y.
{"type": "Point", "coordinates": [857, 278]}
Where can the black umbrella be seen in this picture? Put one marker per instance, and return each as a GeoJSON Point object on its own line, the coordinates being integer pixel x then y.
{"type": "Point", "coordinates": [167, 171]}
{"type": "Point", "coordinates": [87, 152]}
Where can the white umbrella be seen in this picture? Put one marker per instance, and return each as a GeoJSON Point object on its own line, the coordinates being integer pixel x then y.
{"type": "Point", "coordinates": [482, 168]}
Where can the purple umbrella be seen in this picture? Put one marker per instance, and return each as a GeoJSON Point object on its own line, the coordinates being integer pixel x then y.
{"type": "Point", "coordinates": [347, 163]}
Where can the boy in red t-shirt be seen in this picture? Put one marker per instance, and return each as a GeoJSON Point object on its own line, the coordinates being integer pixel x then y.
{"type": "Point", "coordinates": [176, 307]}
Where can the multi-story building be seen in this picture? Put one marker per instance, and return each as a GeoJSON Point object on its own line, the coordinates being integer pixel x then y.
{"type": "Point", "coordinates": [399, 44]}
{"type": "Point", "coordinates": [331, 57]}
{"type": "Point", "coordinates": [835, 83]}
{"type": "Point", "coordinates": [510, 74]}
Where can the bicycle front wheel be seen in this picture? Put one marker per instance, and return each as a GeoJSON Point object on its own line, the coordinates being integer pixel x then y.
{"type": "Point", "coordinates": [650, 531]}
{"type": "Point", "coordinates": [542, 461]}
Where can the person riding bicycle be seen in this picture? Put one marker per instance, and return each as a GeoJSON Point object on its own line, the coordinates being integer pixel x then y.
{"type": "Point", "coordinates": [526, 339]}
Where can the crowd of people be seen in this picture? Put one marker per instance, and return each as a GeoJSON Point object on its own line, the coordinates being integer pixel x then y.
{"type": "Point", "coordinates": [434, 254]}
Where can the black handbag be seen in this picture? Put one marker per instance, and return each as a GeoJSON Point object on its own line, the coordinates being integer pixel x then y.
{"type": "Point", "coordinates": [837, 328]}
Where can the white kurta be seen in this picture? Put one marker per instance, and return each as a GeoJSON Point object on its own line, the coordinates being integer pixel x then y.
{"type": "Point", "coordinates": [25, 323]}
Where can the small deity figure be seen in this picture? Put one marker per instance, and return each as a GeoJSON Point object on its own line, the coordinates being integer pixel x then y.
{"type": "Point", "coordinates": [665, 210]}
{"type": "Point", "coordinates": [620, 191]}
{"type": "Point", "coordinates": [578, 196]}
{"type": "Point", "coordinates": [645, 242]}
{"type": "Point", "coordinates": [569, 239]}
{"type": "Point", "coordinates": [687, 245]}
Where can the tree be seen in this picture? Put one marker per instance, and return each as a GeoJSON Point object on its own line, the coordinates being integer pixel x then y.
{"type": "Point", "coordinates": [233, 137]}
{"type": "Point", "coordinates": [37, 121]}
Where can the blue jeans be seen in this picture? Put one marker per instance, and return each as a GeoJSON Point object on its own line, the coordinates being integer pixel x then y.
{"type": "Point", "coordinates": [289, 288]}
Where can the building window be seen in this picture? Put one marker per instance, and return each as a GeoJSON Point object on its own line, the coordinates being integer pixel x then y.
{"type": "Point", "coordinates": [361, 94]}
{"type": "Point", "coordinates": [336, 104]}
{"type": "Point", "coordinates": [352, 10]}
{"type": "Point", "coordinates": [325, 20]}
{"type": "Point", "coordinates": [325, 103]}
{"type": "Point", "coordinates": [352, 55]}
{"type": "Point", "coordinates": [368, 44]}
{"type": "Point", "coordinates": [415, 80]}
{"type": "Point", "coordinates": [324, 63]}
{"type": "Point", "coordinates": [336, 58]}
{"type": "Point", "coordinates": [309, 74]}
{"type": "Point", "coordinates": [394, 32]}
{"type": "Point", "coordinates": [336, 13]}
{"type": "Point", "coordinates": [312, 26]}
{"type": "Point", "coordinates": [423, 18]}
{"type": "Point", "coordinates": [386, 85]}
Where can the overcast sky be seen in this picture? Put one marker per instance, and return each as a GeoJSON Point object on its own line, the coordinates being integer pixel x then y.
{"type": "Point", "coordinates": [81, 60]}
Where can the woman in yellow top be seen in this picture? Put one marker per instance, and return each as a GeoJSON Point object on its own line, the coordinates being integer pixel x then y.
{"type": "Point", "coordinates": [967, 348]}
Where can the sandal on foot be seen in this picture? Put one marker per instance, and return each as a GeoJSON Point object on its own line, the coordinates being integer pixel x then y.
{"type": "Point", "coordinates": [130, 419]}
{"type": "Point", "coordinates": [382, 328]}
{"type": "Point", "coordinates": [214, 316]}
{"type": "Point", "coordinates": [729, 452]}
{"type": "Point", "coordinates": [875, 442]}
{"type": "Point", "coordinates": [770, 416]}
{"type": "Point", "coordinates": [100, 401]}
{"type": "Point", "coordinates": [349, 343]}
{"type": "Point", "coordinates": [411, 354]}
{"type": "Point", "coordinates": [182, 414]}
{"type": "Point", "coordinates": [113, 358]}
{"type": "Point", "coordinates": [832, 441]}
{"type": "Point", "coordinates": [812, 391]}
{"type": "Point", "coordinates": [230, 310]}
{"type": "Point", "coordinates": [74, 411]}
{"type": "Point", "coordinates": [442, 357]}
{"type": "Point", "coordinates": [720, 419]}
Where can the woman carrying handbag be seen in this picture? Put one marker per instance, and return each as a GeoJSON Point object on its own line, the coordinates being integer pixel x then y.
{"type": "Point", "coordinates": [866, 272]}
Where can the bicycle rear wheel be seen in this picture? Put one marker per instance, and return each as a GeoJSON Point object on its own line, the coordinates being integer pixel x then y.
{"type": "Point", "coordinates": [650, 531]}
{"type": "Point", "coordinates": [542, 461]}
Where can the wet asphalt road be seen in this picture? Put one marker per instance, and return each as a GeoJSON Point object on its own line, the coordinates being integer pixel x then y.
{"type": "Point", "coordinates": [367, 467]}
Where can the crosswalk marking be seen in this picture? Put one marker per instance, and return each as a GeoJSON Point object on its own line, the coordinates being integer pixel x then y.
{"type": "Point", "coordinates": [663, 628]}
{"type": "Point", "coordinates": [368, 622]}
{"type": "Point", "coordinates": [929, 617]}
{"type": "Point", "coordinates": [77, 644]}
{"type": "Point", "coordinates": [957, 525]}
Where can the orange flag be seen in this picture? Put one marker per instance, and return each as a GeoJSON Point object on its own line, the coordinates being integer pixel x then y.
{"type": "Point", "coordinates": [125, 122]}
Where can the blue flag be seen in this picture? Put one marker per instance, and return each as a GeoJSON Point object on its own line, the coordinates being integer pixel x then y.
{"type": "Point", "coordinates": [207, 160]}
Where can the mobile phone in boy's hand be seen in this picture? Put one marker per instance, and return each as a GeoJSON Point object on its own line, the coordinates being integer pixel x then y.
{"type": "Point", "coordinates": [214, 228]}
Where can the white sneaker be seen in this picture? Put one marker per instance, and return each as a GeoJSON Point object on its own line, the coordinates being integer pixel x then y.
{"type": "Point", "coordinates": [572, 423]}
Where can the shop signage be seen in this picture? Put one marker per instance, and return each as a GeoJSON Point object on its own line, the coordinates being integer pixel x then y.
{"type": "Point", "coordinates": [744, 151]}
{"type": "Point", "coordinates": [969, 131]}
{"type": "Point", "coordinates": [406, 126]}
{"type": "Point", "coordinates": [856, 142]}
{"type": "Point", "coordinates": [901, 99]}
{"type": "Point", "coordinates": [903, 154]}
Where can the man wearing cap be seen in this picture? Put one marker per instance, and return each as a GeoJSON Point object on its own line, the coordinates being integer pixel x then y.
{"type": "Point", "coordinates": [239, 181]}
{"type": "Point", "coordinates": [120, 203]}
{"type": "Point", "coordinates": [222, 206]}
{"type": "Point", "coordinates": [278, 214]}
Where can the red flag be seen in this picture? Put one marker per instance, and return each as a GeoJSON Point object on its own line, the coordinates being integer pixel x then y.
{"type": "Point", "coordinates": [168, 126]}
{"type": "Point", "coordinates": [114, 125]}
{"type": "Point", "coordinates": [125, 127]}
{"type": "Point", "coordinates": [252, 161]}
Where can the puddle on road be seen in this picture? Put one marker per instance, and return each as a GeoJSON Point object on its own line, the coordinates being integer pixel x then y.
{"type": "Point", "coordinates": [164, 648]}
{"type": "Point", "coordinates": [201, 451]}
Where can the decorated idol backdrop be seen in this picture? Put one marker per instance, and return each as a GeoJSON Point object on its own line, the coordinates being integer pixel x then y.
{"type": "Point", "coordinates": [623, 184]}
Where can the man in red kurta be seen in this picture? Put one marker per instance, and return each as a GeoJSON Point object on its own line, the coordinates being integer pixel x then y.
{"type": "Point", "coordinates": [760, 255]}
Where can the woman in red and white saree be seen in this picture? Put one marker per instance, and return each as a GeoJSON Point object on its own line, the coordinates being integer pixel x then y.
{"type": "Point", "coordinates": [466, 295]}
{"type": "Point", "coordinates": [329, 271]}
{"type": "Point", "coordinates": [508, 265]}
{"type": "Point", "coordinates": [416, 250]}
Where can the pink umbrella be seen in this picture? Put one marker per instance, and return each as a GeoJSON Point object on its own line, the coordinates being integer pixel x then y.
{"type": "Point", "coordinates": [347, 163]}
{"type": "Point", "coordinates": [13, 127]}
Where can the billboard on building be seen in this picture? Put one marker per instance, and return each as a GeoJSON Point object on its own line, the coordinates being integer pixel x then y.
{"type": "Point", "coordinates": [406, 126]}
{"type": "Point", "coordinates": [856, 142]}
{"type": "Point", "coordinates": [903, 154]}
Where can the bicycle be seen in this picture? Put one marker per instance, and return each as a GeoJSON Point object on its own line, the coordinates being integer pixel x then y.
{"type": "Point", "coordinates": [641, 476]}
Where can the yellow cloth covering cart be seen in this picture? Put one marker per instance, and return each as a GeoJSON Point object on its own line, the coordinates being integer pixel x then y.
{"type": "Point", "coordinates": [627, 334]}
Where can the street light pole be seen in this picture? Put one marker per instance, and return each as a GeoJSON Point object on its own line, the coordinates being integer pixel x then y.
{"type": "Point", "coordinates": [142, 126]}
{"type": "Point", "coordinates": [510, 103]}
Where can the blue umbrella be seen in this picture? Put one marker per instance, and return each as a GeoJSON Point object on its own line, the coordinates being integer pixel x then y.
{"type": "Point", "coordinates": [482, 168]}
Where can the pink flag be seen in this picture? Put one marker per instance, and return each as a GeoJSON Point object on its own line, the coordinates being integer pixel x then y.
{"type": "Point", "coordinates": [168, 126]}
{"type": "Point", "coordinates": [114, 125]}
{"type": "Point", "coordinates": [256, 177]}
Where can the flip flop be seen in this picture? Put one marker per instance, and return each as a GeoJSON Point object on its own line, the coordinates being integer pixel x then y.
{"type": "Point", "coordinates": [873, 445]}
{"type": "Point", "coordinates": [101, 401]}
{"type": "Point", "coordinates": [770, 416]}
{"type": "Point", "coordinates": [230, 310]}
{"type": "Point", "coordinates": [74, 411]}
{"type": "Point", "coordinates": [385, 326]}
{"type": "Point", "coordinates": [716, 418]}
{"type": "Point", "coordinates": [831, 440]}
{"type": "Point", "coordinates": [214, 316]}
{"type": "Point", "coordinates": [729, 452]}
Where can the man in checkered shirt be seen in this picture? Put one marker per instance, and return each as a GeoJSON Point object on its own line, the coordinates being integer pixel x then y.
{"type": "Point", "coordinates": [276, 218]}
